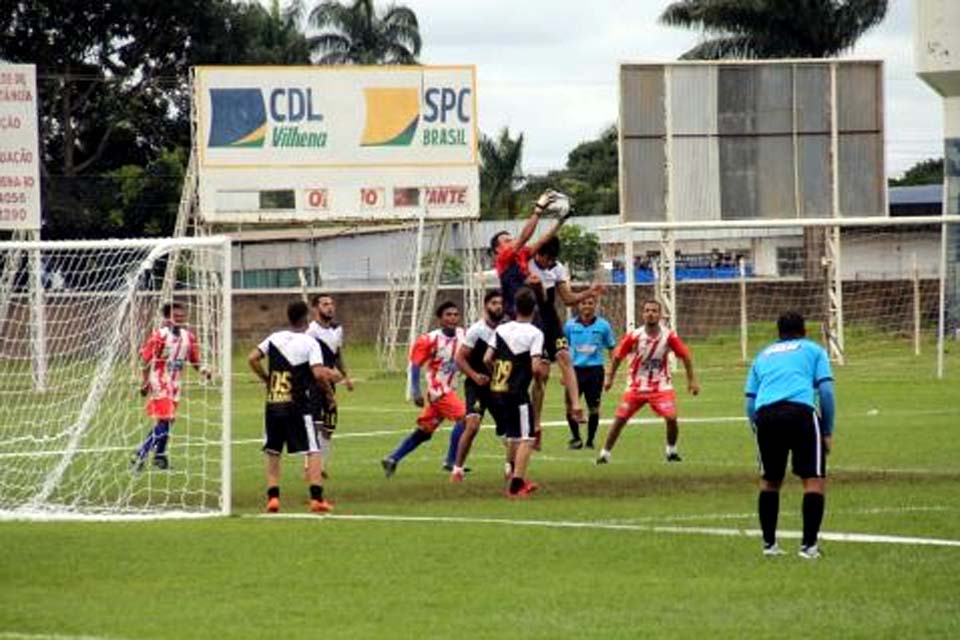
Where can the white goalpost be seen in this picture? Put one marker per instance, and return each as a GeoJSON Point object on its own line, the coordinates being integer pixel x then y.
{"type": "Point", "coordinates": [74, 316]}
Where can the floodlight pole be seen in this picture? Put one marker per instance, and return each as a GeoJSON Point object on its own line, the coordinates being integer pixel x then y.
{"type": "Point", "coordinates": [831, 258]}
{"type": "Point", "coordinates": [668, 265]}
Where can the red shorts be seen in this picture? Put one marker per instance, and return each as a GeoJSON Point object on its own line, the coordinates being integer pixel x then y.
{"type": "Point", "coordinates": [447, 407]}
{"type": "Point", "coordinates": [663, 403]}
{"type": "Point", "coordinates": [162, 408]}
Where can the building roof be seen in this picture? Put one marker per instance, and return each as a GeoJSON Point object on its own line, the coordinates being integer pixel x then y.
{"type": "Point", "coordinates": [922, 194]}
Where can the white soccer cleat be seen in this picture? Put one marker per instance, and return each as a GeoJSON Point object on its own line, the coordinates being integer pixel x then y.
{"type": "Point", "coordinates": [810, 553]}
{"type": "Point", "coordinates": [773, 550]}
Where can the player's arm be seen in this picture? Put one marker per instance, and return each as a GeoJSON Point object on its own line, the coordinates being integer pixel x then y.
{"type": "Point", "coordinates": [488, 358]}
{"type": "Point", "coordinates": [823, 383]}
{"type": "Point", "coordinates": [750, 396]}
{"type": "Point", "coordinates": [686, 357]}
{"type": "Point", "coordinates": [342, 368]}
{"type": "Point", "coordinates": [422, 349]}
{"type": "Point", "coordinates": [324, 376]}
{"type": "Point", "coordinates": [149, 352]}
{"type": "Point", "coordinates": [616, 357]}
{"type": "Point", "coordinates": [541, 368]}
{"type": "Point", "coordinates": [572, 298]}
{"type": "Point", "coordinates": [461, 358]}
{"type": "Point", "coordinates": [254, 360]}
{"type": "Point", "coordinates": [194, 358]}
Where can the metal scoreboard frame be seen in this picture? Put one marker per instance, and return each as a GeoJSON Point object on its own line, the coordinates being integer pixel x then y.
{"type": "Point", "coordinates": [335, 144]}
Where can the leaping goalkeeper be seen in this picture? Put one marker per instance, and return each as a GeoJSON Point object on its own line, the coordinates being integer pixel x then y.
{"type": "Point", "coordinates": [163, 356]}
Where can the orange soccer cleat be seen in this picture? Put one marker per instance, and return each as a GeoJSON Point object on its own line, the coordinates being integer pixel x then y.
{"type": "Point", "coordinates": [321, 506]}
{"type": "Point", "coordinates": [273, 505]}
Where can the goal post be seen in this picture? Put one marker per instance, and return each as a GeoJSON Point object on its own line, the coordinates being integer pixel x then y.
{"type": "Point", "coordinates": [884, 293]}
{"type": "Point", "coordinates": [72, 445]}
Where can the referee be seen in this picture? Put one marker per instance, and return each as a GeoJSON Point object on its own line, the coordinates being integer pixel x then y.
{"type": "Point", "coordinates": [780, 391]}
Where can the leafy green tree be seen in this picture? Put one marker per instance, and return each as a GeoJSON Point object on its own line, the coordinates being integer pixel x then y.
{"type": "Point", "coordinates": [580, 251]}
{"type": "Point", "coordinates": [500, 175]}
{"type": "Point", "coordinates": [359, 34]}
{"type": "Point", "coordinates": [144, 200]}
{"type": "Point", "coordinates": [774, 28]}
{"type": "Point", "coordinates": [928, 171]}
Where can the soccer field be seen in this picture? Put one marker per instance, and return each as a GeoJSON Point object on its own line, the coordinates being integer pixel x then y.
{"type": "Point", "coordinates": [636, 548]}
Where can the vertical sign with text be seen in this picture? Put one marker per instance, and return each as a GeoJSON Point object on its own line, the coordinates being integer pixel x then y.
{"type": "Point", "coordinates": [19, 154]}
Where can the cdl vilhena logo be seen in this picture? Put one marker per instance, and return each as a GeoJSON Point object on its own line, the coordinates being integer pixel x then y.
{"type": "Point", "coordinates": [239, 118]}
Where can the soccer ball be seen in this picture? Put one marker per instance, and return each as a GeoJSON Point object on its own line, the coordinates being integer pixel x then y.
{"type": "Point", "coordinates": [554, 203]}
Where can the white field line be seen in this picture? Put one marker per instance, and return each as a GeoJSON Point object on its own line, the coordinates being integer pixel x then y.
{"type": "Point", "coordinates": [14, 635]}
{"type": "Point", "coordinates": [868, 538]}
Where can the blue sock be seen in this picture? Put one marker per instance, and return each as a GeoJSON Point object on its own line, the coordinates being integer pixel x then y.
{"type": "Point", "coordinates": [146, 445]}
{"type": "Point", "coordinates": [454, 443]}
{"type": "Point", "coordinates": [161, 433]}
{"type": "Point", "coordinates": [411, 442]}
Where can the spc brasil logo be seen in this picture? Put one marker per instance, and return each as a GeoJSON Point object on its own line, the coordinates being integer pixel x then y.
{"type": "Point", "coordinates": [239, 119]}
{"type": "Point", "coordinates": [394, 115]}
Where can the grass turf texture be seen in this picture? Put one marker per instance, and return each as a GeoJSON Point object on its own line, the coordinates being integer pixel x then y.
{"type": "Point", "coordinates": [894, 472]}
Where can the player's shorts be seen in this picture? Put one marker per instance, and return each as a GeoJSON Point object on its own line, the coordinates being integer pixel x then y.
{"type": "Point", "coordinates": [554, 339]}
{"type": "Point", "coordinates": [663, 403]}
{"type": "Point", "coordinates": [590, 382]}
{"type": "Point", "coordinates": [477, 397]}
{"type": "Point", "coordinates": [290, 428]}
{"type": "Point", "coordinates": [162, 408]}
{"type": "Point", "coordinates": [790, 428]}
{"type": "Point", "coordinates": [447, 407]}
{"type": "Point", "coordinates": [514, 417]}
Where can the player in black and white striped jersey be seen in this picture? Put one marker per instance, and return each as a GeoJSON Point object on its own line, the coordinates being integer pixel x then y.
{"type": "Point", "coordinates": [469, 358]}
{"type": "Point", "coordinates": [329, 335]}
{"type": "Point", "coordinates": [295, 373]}
{"type": "Point", "coordinates": [514, 361]}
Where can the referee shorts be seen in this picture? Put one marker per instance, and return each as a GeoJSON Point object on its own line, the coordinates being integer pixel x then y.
{"type": "Point", "coordinates": [590, 382]}
{"type": "Point", "coordinates": [790, 429]}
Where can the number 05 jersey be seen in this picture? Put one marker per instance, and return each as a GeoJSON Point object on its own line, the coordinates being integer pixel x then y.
{"type": "Point", "coordinates": [517, 343]}
{"type": "Point", "coordinates": [291, 356]}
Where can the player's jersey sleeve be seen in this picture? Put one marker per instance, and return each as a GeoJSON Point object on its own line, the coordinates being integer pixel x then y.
{"type": "Point", "coordinates": [753, 382]}
{"type": "Point", "coordinates": [422, 350]}
{"type": "Point", "coordinates": [822, 370]}
{"type": "Point", "coordinates": [677, 346]}
{"type": "Point", "coordinates": [264, 347]}
{"type": "Point", "coordinates": [536, 343]}
{"type": "Point", "coordinates": [471, 337]}
{"type": "Point", "coordinates": [561, 273]}
{"type": "Point", "coordinates": [609, 341]}
{"type": "Point", "coordinates": [152, 348]}
{"type": "Point", "coordinates": [315, 355]}
{"type": "Point", "coordinates": [627, 343]}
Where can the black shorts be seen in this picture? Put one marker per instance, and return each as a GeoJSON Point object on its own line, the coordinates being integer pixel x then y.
{"type": "Point", "coordinates": [477, 397]}
{"type": "Point", "coordinates": [290, 428]}
{"type": "Point", "coordinates": [590, 382]}
{"type": "Point", "coordinates": [790, 428]}
{"type": "Point", "coordinates": [514, 417]}
{"type": "Point", "coordinates": [554, 339]}
{"type": "Point", "coordinates": [322, 415]}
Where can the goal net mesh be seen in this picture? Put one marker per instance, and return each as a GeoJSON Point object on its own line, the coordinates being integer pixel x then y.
{"type": "Point", "coordinates": [74, 321]}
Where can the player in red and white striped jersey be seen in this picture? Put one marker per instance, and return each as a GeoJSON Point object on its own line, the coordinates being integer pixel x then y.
{"type": "Point", "coordinates": [164, 355]}
{"type": "Point", "coordinates": [649, 379]}
{"type": "Point", "coordinates": [435, 351]}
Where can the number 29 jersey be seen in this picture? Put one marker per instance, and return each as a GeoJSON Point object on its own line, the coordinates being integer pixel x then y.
{"type": "Point", "coordinates": [517, 343]}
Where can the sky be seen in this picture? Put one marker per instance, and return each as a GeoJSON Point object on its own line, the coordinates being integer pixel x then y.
{"type": "Point", "coordinates": [548, 68]}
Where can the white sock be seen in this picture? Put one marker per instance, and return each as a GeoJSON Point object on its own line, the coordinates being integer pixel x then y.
{"type": "Point", "coordinates": [671, 449]}
{"type": "Point", "coordinates": [604, 454]}
{"type": "Point", "coordinates": [457, 469]}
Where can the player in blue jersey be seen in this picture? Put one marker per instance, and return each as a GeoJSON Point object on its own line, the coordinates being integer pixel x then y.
{"type": "Point", "coordinates": [588, 335]}
{"type": "Point", "coordinates": [780, 390]}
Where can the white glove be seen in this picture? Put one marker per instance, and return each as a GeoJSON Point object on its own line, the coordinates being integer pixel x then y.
{"type": "Point", "coordinates": [545, 200]}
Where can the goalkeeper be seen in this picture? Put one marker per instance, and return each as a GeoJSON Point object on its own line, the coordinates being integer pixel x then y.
{"type": "Point", "coordinates": [512, 260]}
{"type": "Point", "coordinates": [164, 354]}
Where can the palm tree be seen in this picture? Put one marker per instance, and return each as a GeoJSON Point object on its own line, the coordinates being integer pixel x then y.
{"type": "Point", "coordinates": [359, 34]}
{"type": "Point", "coordinates": [774, 28]}
{"type": "Point", "coordinates": [500, 174]}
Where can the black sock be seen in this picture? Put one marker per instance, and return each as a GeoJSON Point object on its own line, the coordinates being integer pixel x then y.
{"type": "Point", "coordinates": [273, 492]}
{"type": "Point", "coordinates": [516, 484]}
{"type": "Point", "coordinates": [593, 421]}
{"type": "Point", "coordinates": [768, 506]}
{"type": "Point", "coordinates": [316, 492]}
{"type": "Point", "coordinates": [813, 504]}
{"type": "Point", "coordinates": [574, 428]}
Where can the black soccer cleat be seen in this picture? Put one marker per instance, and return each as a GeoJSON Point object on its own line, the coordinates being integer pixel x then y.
{"type": "Point", "coordinates": [575, 443]}
{"type": "Point", "coordinates": [136, 464]}
{"type": "Point", "coordinates": [161, 462]}
{"type": "Point", "coordinates": [674, 457]}
{"type": "Point", "coordinates": [449, 467]}
{"type": "Point", "coordinates": [389, 466]}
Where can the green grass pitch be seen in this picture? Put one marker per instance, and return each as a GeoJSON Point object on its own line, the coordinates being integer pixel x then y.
{"type": "Point", "coordinates": [647, 549]}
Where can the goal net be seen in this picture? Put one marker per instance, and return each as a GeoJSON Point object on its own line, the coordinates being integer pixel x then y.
{"type": "Point", "coordinates": [877, 295]}
{"type": "Point", "coordinates": [82, 328]}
